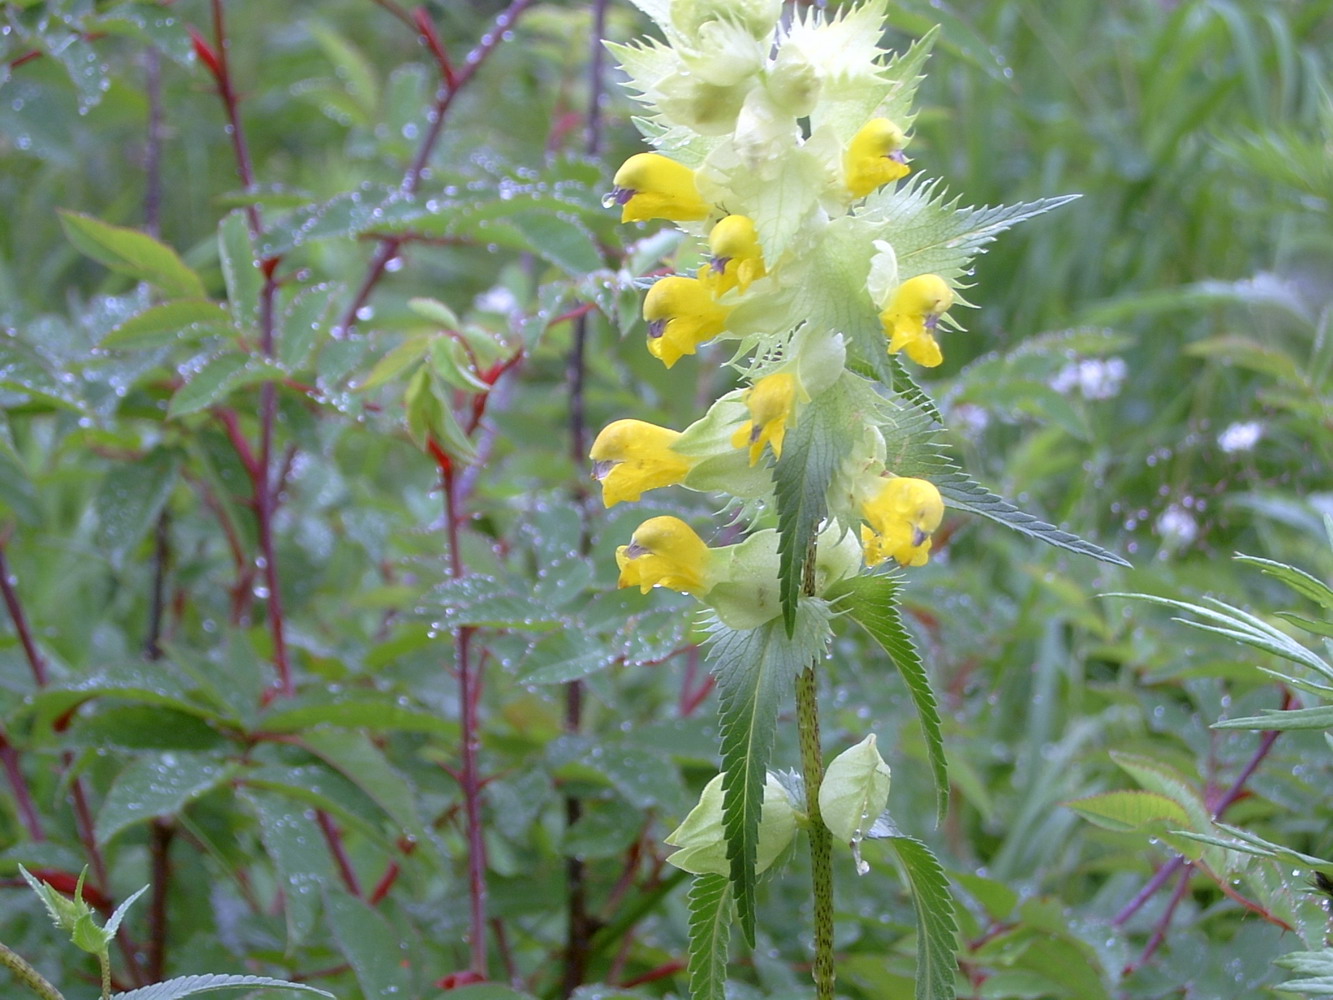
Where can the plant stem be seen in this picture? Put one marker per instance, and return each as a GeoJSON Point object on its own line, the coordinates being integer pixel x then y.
{"type": "Point", "coordinates": [35, 662]}
{"type": "Point", "coordinates": [821, 840]}
{"type": "Point", "coordinates": [104, 960]}
{"type": "Point", "coordinates": [27, 975]}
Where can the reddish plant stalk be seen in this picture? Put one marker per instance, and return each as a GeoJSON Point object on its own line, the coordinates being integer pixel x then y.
{"type": "Point", "coordinates": [451, 82]}
{"type": "Point", "coordinates": [469, 695]}
{"type": "Point", "coordinates": [161, 833]}
{"type": "Point", "coordinates": [9, 758]}
{"type": "Point", "coordinates": [333, 837]}
{"type": "Point", "coordinates": [35, 661]}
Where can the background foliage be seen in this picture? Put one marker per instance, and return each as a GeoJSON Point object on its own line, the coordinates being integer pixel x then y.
{"type": "Point", "coordinates": [330, 832]}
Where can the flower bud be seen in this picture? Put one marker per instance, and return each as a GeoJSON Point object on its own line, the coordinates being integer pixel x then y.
{"type": "Point", "coordinates": [854, 791]}
{"type": "Point", "coordinates": [681, 314]}
{"type": "Point", "coordinates": [652, 186]}
{"type": "Point", "coordinates": [665, 552]}
{"type": "Point", "coordinates": [912, 314]}
{"type": "Point", "coordinates": [702, 843]}
{"type": "Point", "coordinates": [875, 157]}
{"type": "Point", "coordinates": [901, 515]}
{"type": "Point", "coordinates": [631, 457]}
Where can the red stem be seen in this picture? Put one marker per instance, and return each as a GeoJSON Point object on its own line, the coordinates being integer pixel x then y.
{"type": "Point", "coordinates": [469, 694]}
{"type": "Point", "coordinates": [451, 82]}
{"type": "Point", "coordinates": [22, 795]}
{"type": "Point", "coordinates": [333, 837]}
{"type": "Point", "coordinates": [35, 661]}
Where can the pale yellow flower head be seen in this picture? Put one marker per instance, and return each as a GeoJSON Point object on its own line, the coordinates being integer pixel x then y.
{"type": "Point", "coordinates": [631, 457]}
{"type": "Point", "coordinates": [681, 315]}
{"type": "Point", "coordinates": [737, 258]}
{"type": "Point", "coordinates": [665, 552]}
{"type": "Point", "coordinates": [874, 157]}
{"type": "Point", "coordinates": [652, 186]}
{"type": "Point", "coordinates": [772, 405]}
{"type": "Point", "coordinates": [912, 315]}
{"type": "Point", "coordinates": [901, 518]}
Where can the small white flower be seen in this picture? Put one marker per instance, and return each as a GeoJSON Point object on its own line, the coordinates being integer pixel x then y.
{"type": "Point", "coordinates": [1177, 526]}
{"type": "Point", "coordinates": [1240, 436]}
{"type": "Point", "coordinates": [1094, 378]}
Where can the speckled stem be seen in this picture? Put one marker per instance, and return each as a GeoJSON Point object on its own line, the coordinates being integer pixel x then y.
{"type": "Point", "coordinates": [27, 975]}
{"type": "Point", "coordinates": [821, 840]}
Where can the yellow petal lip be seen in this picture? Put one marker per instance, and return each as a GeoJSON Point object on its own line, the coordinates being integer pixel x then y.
{"type": "Point", "coordinates": [912, 315]}
{"type": "Point", "coordinates": [875, 157]}
{"type": "Point", "coordinates": [631, 457]}
{"type": "Point", "coordinates": [901, 517]}
{"type": "Point", "coordinates": [681, 314]}
{"type": "Point", "coordinates": [772, 405]}
{"type": "Point", "coordinates": [653, 186]}
{"type": "Point", "coordinates": [737, 258]}
{"type": "Point", "coordinates": [665, 552]}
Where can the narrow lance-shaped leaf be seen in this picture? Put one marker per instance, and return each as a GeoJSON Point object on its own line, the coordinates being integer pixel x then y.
{"type": "Point", "coordinates": [755, 669]}
{"type": "Point", "coordinates": [710, 934]}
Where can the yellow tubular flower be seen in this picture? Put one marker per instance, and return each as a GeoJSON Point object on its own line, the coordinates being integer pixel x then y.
{"type": "Point", "coordinates": [681, 315]}
{"type": "Point", "coordinates": [737, 258]}
{"type": "Point", "coordinates": [875, 157]}
{"type": "Point", "coordinates": [652, 186]}
{"type": "Point", "coordinates": [901, 516]}
{"type": "Point", "coordinates": [772, 404]}
{"type": "Point", "coordinates": [631, 457]}
{"type": "Point", "coordinates": [665, 552]}
{"type": "Point", "coordinates": [912, 314]}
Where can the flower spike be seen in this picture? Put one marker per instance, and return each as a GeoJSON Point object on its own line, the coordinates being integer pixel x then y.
{"type": "Point", "coordinates": [875, 157]}
{"type": "Point", "coordinates": [665, 552]}
{"type": "Point", "coordinates": [631, 457]}
{"type": "Point", "coordinates": [652, 186]}
{"type": "Point", "coordinates": [681, 315]}
{"type": "Point", "coordinates": [902, 516]}
{"type": "Point", "coordinates": [912, 315]}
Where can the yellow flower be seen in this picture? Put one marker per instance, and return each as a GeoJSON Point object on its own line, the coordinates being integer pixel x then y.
{"type": "Point", "coordinates": [681, 315]}
{"type": "Point", "coordinates": [737, 258]}
{"type": "Point", "coordinates": [912, 314]}
{"type": "Point", "coordinates": [875, 157]}
{"type": "Point", "coordinates": [901, 516]}
{"type": "Point", "coordinates": [665, 552]}
{"type": "Point", "coordinates": [772, 403]}
{"type": "Point", "coordinates": [631, 457]}
{"type": "Point", "coordinates": [651, 186]}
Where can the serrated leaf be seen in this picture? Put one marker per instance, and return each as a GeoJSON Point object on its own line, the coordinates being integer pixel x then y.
{"type": "Point", "coordinates": [937, 930]}
{"type": "Point", "coordinates": [134, 253]}
{"type": "Point", "coordinates": [811, 453]}
{"type": "Point", "coordinates": [1129, 810]}
{"type": "Point", "coordinates": [370, 946]}
{"type": "Point", "coordinates": [157, 785]}
{"type": "Point", "coordinates": [872, 602]}
{"type": "Point", "coordinates": [183, 321]}
{"type": "Point", "coordinates": [710, 934]}
{"type": "Point", "coordinates": [187, 986]}
{"type": "Point", "coordinates": [755, 669]}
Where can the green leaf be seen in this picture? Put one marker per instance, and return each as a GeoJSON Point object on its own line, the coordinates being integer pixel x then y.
{"type": "Point", "coordinates": [755, 669]}
{"type": "Point", "coordinates": [157, 785]}
{"type": "Point", "coordinates": [373, 712]}
{"type": "Point", "coordinates": [187, 986]}
{"type": "Point", "coordinates": [564, 242]}
{"type": "Point", "coordinates": [487, 991]}
{"type": "Point", "coordinates": [710, 934]}
{"type": "Point", "coordinates": [1315, 966]}
{"type": "Point", "coordinates": [937, 930]}
{"type": "Point", "coordinates": [486, 601]}
{"type": "Point", "coordinates": [236, 253]}
{"type": "Point", "coordinates": [1129, 810]}
{"type": "Point", "coordinates": [298, 851]}
{"type": "Point", "coordinates": [370, 946]}
{"type": "Point", "coordinates": [130, 498]}
{"type": "Point", "coordinates": [811, 454]}
{"type": "Point", "coordinates": [855, 788]}
{"type": "Point", "coordinates": [411, 351]}
{"type": "Point", "coordinates": [324, 788]}
{"type": "Point", "coordinates": [304, 321]}
{"type": "Point", "coordinates": [872, 602]}
{"type": "Point", "coordinates": [566, 655]}
{"type": "Point", "coordinates": [217, 380]}
{"type": "Point", "coordinates": [183, 321]}
{"type": "Point", "coordinates": [131, 252]}
{"type": "Point", "coordinates": [1283, 720]}
{"type": "Point", "coordinates": [1298, 580]}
